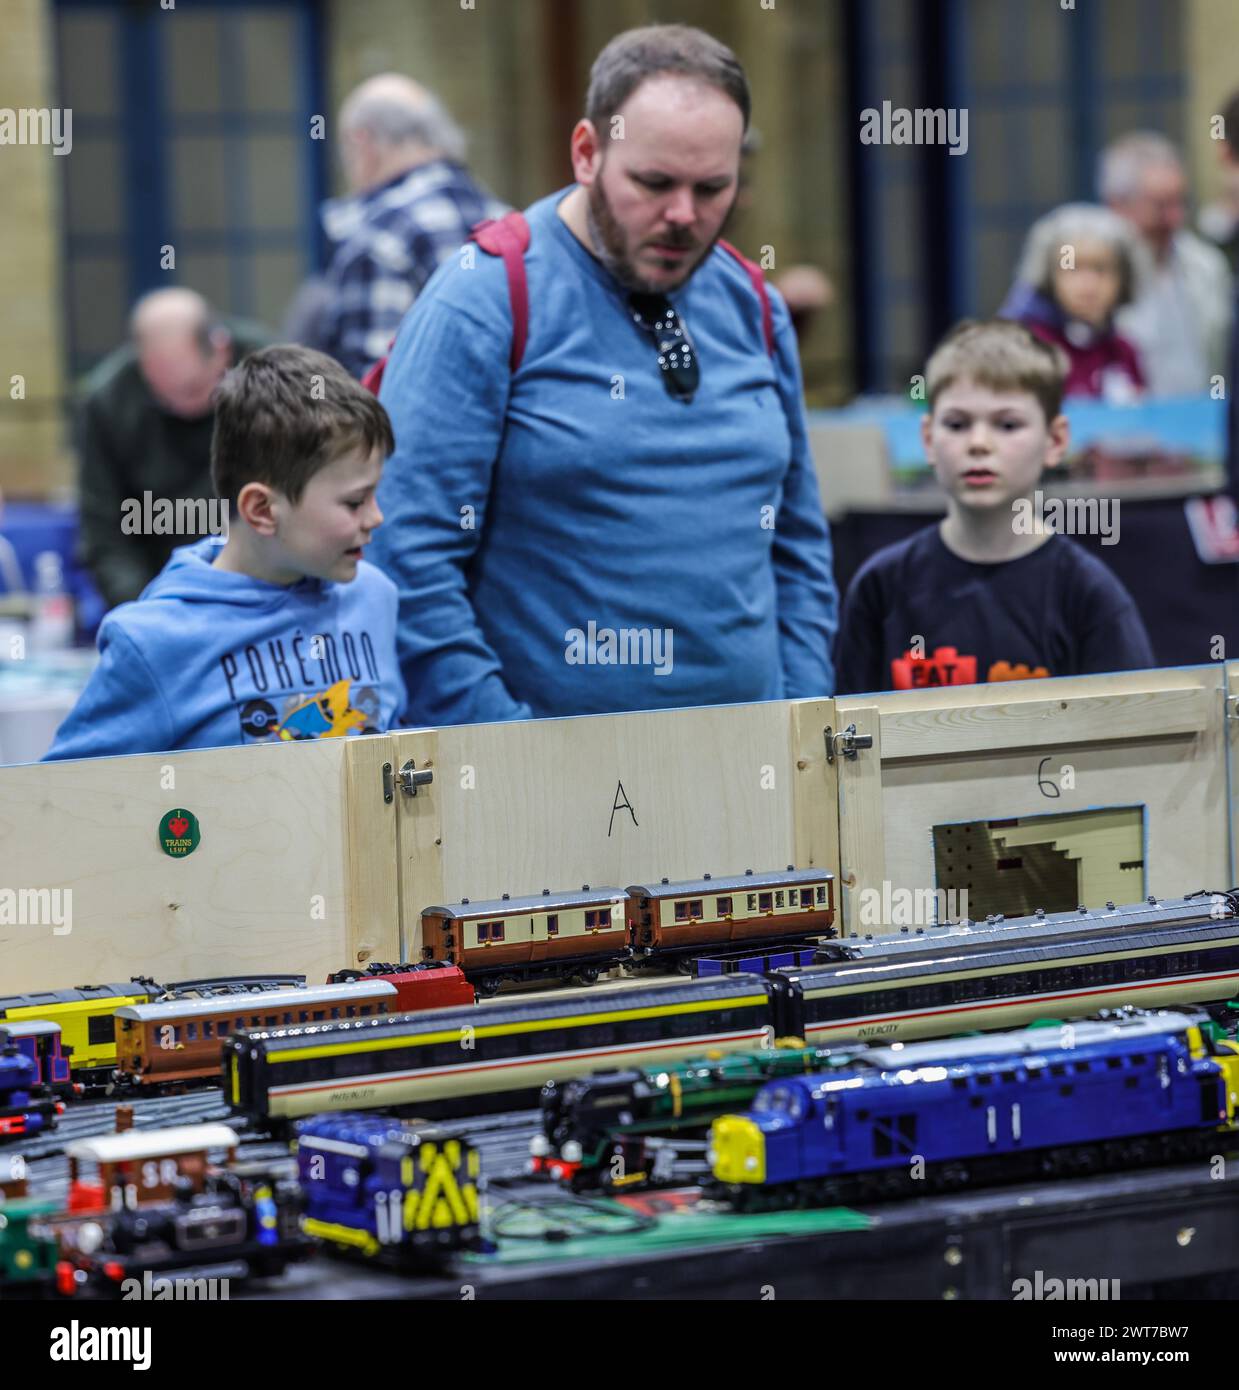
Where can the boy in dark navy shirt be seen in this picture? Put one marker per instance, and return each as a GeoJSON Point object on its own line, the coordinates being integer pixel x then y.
{"type": "Point", "coordinates": [991, 593]}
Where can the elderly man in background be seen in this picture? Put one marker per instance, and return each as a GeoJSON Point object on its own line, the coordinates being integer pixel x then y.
{"type": "Point", "coordinates": [1180, 323]}
{"type": "Point", "coordinates": [144, 425]}
{"type": "Point", "coordinates": [412, 204]}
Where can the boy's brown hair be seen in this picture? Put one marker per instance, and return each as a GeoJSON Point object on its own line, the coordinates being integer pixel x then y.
{"type": "Point", "coordinates": [1001, 355]}
{"type": "Point", "coordinates": [285, 412]}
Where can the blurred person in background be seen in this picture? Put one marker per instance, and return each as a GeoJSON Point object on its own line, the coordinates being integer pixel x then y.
{"type": "Point", "coordinates": [144, 425]}
{"type": "Point", "coordinates": [806, 289]}
{"type": "Point", "coordinates": [411, 204]}
{"type": "Point", "coordinates": [1180, 321]}
{"type": "Point", "coordinates": [1219, 219]}
{"type": "Point", "coordinates": [1080, 265]}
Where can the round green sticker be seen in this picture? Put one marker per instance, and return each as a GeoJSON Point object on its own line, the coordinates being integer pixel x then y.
{"type": "Point", "coordinates": [179, 833]}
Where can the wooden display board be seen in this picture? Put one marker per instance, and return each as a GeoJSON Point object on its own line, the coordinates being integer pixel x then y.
{"type": "Point", "coordinates": [613, 800]}
{"type": "Point", "coordinates": [1152, 739]}
{"type": "Point", "coordinates": [305, 864]}
{"type": "Point", "coordinates": [281, 880]}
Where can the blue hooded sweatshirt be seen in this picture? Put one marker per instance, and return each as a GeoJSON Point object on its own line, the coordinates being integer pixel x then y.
{"type": "Point", "coordinates": [206, 658]}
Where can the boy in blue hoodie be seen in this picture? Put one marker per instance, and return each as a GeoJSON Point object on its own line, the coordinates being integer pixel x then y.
{"type": "Point", "coordinates": [284, 631]}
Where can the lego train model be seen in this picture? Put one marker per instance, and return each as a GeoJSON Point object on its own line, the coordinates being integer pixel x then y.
{"type": "Point", "coordinates": [983, 976]}
{"type": "Point", "coordinates": [147, 1035]}
{"type": "Point", "coordinates": [930, 1116]}
{"type": "Point", "coordinates": [579, 935]}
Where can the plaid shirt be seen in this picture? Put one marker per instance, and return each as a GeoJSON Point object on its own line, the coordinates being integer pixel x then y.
{"type": "Point", "coordinates": [388, 243]}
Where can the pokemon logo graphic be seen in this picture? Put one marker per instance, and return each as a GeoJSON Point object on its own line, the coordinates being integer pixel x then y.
{"type": "Point", "coordinates": [332, 713]}
{"type": "Point", "coordinates": [1004, 671]}
{"type": "Point", "coordinates": [945, 667]}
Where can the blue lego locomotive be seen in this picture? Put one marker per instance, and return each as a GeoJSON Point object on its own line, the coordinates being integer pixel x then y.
{"type": "Point", "coordinates": [379, 1188]}
{"type": "Point", "coordinates": [26, 1108]}
{"type": "Point", "coordinates": [1042, 1101]}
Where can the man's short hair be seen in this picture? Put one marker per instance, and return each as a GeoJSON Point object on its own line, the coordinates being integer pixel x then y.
{"type": "Point", "coordinates": [637, 54]}
{"type": "Point", "coordinates": [1000, 355]}
{"type": "Point", "coordinates": [285, 412]}
{"type": "Point", "coordinates": [1123, 162]}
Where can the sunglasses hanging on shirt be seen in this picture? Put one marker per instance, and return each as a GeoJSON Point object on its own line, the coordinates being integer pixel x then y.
{"type": "Point", "coordinates": [677, 358]}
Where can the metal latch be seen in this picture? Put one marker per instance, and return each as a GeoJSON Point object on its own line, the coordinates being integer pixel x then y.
{"type": "Point", "coordinates": [848, 742]}
{"type": "Point", "coordinates": [408, 778]}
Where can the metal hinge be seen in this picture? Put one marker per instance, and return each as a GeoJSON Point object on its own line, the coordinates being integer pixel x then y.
{"type": "Point", "coordinates": [848, 742]}
{"type": "Point", "coordinates": [1232, 708]}
{"type": "Point", "coordinates": [408, 779]}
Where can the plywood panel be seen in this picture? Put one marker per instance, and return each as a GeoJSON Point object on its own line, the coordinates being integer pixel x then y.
{"type": "Point", "coordinates": [940, 730]}
{"type": "Point", "coordinates": [420, 846]}
{"type": "Point", "coordinates": [609, 799]}
{"type": "Point", "coordinates": [815, 810]}
{"type": "Point", "coordinates": [372, 888]}
{"type": "Point", "coordinates": [264, 890]}
{"type": "Point", "coordinates": [862, 821]}
{"type": "Point", "coordinates": [1150, 739]}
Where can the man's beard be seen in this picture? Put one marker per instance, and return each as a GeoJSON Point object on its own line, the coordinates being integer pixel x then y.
{"type": "Point", "coordinates": [610, 243]}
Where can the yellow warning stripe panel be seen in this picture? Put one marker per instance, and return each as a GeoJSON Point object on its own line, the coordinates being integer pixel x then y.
{"type": "Point", "coordinates": [384, 1044]}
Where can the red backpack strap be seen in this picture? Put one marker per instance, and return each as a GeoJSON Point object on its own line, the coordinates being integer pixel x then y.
{"type": "Point", "coordinates": [755, 274]}
{"type": "Point", "coordinates": [508, 236]}
{"type": "Point", "coordinates": [372, 377]}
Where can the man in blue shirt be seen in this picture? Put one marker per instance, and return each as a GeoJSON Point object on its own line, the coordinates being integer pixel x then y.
{"type": "Point", "coordinates": [630, 519]}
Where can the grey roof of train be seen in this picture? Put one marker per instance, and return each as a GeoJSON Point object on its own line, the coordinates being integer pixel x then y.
{"type": "Point", "coordinates": [228, 1004]}
{"type": "Point", "coordinates": [49, 998]}
{"type": "Point", "coordinates": [1050, 924]}
{"type": "Point", "coordinates": [533, 902]}
{"type": "Point", "coordinates": [1030, 1040]}
{"type": "Point", "coordinates": [26, 1027]}
{"type": "Point", "coordinates": [730, 883]}
{"type": "Point", "coordinates": [1017, 951]}
{"type": "Point", "coordinates": [547, 1008]}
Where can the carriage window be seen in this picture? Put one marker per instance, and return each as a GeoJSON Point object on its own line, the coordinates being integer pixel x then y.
{"type": "Point", "coordinates": [483, 931]}
{"type": "Point", "coordinates": [496, 931]}
{"type": "Point", "coordinates": [681, 912]}
{"type": "Point", "coordinates": [821, 893]}
{"type": "Point", "coordinates": [806, 897]}
{"type": "Point", "coordinates": [351, 1011]}
{"type": "Point", "coordinates": [778, 898]}
{"type": "Point", "coordinates": [752, 902]}
{"type": "Point", "coordinates": [271, 1020]}
{"type": "Point", "coordinates": [765, 901]}
{"type": "Point", "coordinates": [335, 1013]}
{"type": "Point", "coordinates": [366, 1011]}
{"type": "Point", "coordinates": [206, 1028]}
{"type": "Point", "coordinates": [722, 907]}
{"type": "Point", "coordinates": [552, 924]}
{"type": "Point", "coordinates": [288, 1018]}
{"type": "Point", "coordinates": [319, 1015]}
{"type": "Point", "coordinates": [255, 1021]}
{"type": "Point", "coordinates": [191, 1032]}
{"type": "Point", "coordinates": [101, 1029]}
